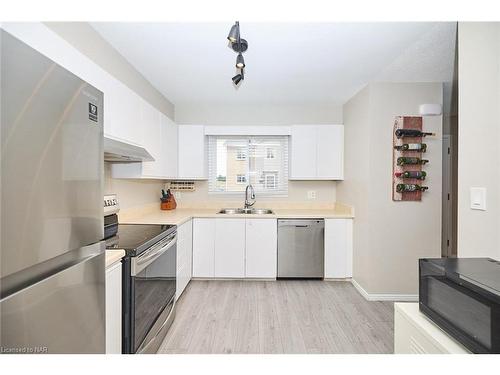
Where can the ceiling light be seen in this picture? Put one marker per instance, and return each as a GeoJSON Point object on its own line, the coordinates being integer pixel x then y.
{"type": "Point", "coordinates": [240, 62]}
{"type": "Point", "coordinates": [237, 78]}
{"type": "Point", "coordinates": [239, 46]}
{"type": "Point", "coordinates": [233, 33]}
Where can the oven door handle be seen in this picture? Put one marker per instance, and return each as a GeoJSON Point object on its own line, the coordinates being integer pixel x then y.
{"type": "Point", "coordinates": [144, 260]}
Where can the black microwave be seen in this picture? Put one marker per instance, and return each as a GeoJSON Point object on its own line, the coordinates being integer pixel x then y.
{"type": "Point", "coordinates": [462, 296]}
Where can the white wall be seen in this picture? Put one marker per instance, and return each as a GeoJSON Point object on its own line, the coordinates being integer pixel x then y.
{"type": "Point", "coordinates": [258, 114]}
{"type": "Point", "coordinates": [253, 114]}
{"type": "Point", "coordinates": [389, 237]}
{"type": "Point", "coordinates": [89, 42]}
{"type": "Point", "coordinates": [479, 137]}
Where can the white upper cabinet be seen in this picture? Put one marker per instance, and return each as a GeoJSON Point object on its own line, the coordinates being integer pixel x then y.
{"type": "Point", "coordinates": [317, 152]}
{"type": "Point", "coordinates": [192, 152]}
{"type": "Point", "coordinates": [152, 140]}
{"type": "Point", "coordinates": [169, 135]}
{"type": "Point", "coordinates": [158, 135]}
{"type": "Point", "coordinates": [330, 152]}
{"type": "Point", "coordinates": [122, 113]}
{"type": "Point", "coordinates": [303, 153]}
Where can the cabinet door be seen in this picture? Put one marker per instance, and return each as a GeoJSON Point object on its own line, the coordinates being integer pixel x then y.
{"type": "Point", "coordinates": [203, 247]}
{"type": "Point", "coordinates": [184, 256]}
{"type": "Point", "coordinates": [169, 146]}
{"type": "Point", "coordinates": [303, 152]}
{"type": "Point", "coordinates": [114, 309]}
{"type": "Point", "coordinates": [230, 248]}
{"type": "Point", "coordinates": [125, 114]}
{"type": "Point", "coordinates": [192, 152]}
{"type": "Point", "coordinates": [261, 248]}
{"type": "Point", "coordinates": [338, 248]}
{"type": "Point", "coordinates": [152, 140]}
{"type": "Point", "coordinates": [330, 152]}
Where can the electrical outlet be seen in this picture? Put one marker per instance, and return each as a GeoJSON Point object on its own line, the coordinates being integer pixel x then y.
{"type": "Point", "coordinates": [177, 195]}
{"type": "Point", "coordinates": [311, 194]}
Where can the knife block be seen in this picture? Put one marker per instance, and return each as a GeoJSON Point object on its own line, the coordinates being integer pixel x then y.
{"type": "Point", "coordinates": [168, 204]}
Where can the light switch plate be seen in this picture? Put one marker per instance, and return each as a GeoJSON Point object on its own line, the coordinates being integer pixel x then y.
{"type": "Point", "coordinates": [478, 198]}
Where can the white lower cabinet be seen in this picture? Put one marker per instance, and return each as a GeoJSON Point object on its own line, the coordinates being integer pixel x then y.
{"type": "Point", "coordinates": [234, 248]}
{"type": "Point", "coordinates": [261, 248]}
{"type": "Point", "coordinates": [414, 333]}
{"type": "Point", "coordinates": [184, 256]}
{"type": "Point", "coordinates": [114, 309]}
{"type": "Point", "coordinates": [229, 248]}
{"type": "Point", "coordinates": [203, 247]}
{"type": "Point", "coordinates": [338, 248]}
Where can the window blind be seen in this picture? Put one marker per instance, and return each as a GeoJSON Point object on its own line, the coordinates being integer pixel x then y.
{"type": "Point", "coordinates": [236, 161]}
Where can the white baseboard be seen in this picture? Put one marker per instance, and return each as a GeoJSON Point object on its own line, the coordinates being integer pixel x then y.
{"type": "Point", "coordinates": [384, 297]}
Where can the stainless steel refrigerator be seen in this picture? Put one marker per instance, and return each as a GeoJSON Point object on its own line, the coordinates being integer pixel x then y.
{"type": "Point", "coordinates": [52, 253]}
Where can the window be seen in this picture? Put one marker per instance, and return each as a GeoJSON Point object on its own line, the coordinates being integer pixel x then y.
{"type": "Point", "coordinates": [241, 154]}
{"type": "Point", "coordinates": [270, 180]}
{"type": "Point", "coordinates": [269, 153]}
{"type": "Point", "coordinates": [236, 161]}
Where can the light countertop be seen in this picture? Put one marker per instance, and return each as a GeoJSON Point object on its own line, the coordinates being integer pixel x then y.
{"type": "Point", "coordinates": [181, 215]}
{"type": "Point", "coordinates": [113, 256]}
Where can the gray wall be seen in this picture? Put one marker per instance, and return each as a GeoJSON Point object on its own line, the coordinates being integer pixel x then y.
{"type": "Point", "coordinates": [389, 237]}
{"type": "Point", "coordinates": [479, 137]}
{"type": "Point", "coordinates": [89, 42]}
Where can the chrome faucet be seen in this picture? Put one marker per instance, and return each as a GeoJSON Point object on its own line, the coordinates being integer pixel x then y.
{"type": "Point", "coordinates": [252, 196]}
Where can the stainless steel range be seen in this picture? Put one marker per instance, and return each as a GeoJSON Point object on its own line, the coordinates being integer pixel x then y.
{"type": "Point", "coordinates": [149, 278]}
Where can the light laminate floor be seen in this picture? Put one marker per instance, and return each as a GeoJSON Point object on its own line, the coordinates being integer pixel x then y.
{"type": "Point", "coordinates": [285, 316]}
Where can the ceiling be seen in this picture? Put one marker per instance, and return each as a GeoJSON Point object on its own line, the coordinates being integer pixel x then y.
{"type": "Point", "coordinates": [286, 62]}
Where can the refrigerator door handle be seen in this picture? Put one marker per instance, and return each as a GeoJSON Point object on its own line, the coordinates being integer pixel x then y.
{"type": "Point", "coordinates": [26, 278]}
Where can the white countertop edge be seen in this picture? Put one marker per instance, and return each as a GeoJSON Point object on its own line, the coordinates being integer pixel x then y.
{"type": "Point", "coordinates": [113, 256]}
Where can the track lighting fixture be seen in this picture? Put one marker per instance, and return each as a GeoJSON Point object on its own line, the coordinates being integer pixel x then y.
{"type": "Point", "coordinates": [238, 45]}
{"type": "Point", "coordinates": [233, 33]}
{"type": "Point", "coordinates": [237, 78]}
{"type": "Point", "coordinates": [240, 62]}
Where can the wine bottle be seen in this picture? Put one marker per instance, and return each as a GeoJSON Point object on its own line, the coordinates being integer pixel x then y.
{"type": "Point", "coordinates": [419, 175]}
{"type": "Point", "coordinates": [405, 160]}
{"type": "Point", "coordinates": [404, 188]}
{"type": "Point", "coordinates": [422, 147]}
{"type": "Point", "coordinates": [411, 133]}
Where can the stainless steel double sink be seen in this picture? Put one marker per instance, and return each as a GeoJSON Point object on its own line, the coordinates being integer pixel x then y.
{"type": "Point", "coordinates": [249, 211]}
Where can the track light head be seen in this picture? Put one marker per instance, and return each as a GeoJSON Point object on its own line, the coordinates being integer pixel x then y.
{"type": "Point", "coordinates": [237, 78]}
{"type": "Point", "coordinates": [240, 62]}
{"type": "Point", "coordinates": [233, 33]}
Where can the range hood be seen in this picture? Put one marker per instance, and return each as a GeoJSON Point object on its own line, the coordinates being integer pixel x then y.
{"type": "Point", "coordinates": [117, 151]}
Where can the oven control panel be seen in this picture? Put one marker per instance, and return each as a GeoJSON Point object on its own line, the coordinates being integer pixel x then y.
{"type": "Point", "coordinates": [111, 205]}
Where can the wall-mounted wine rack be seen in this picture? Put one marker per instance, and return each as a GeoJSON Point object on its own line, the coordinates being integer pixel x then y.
{"type": "Point", "coordinates": [407, 157]}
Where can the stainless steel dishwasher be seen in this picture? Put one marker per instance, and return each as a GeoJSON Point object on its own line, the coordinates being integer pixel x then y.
{"type": "Point", "coordinates": [301, 248]}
